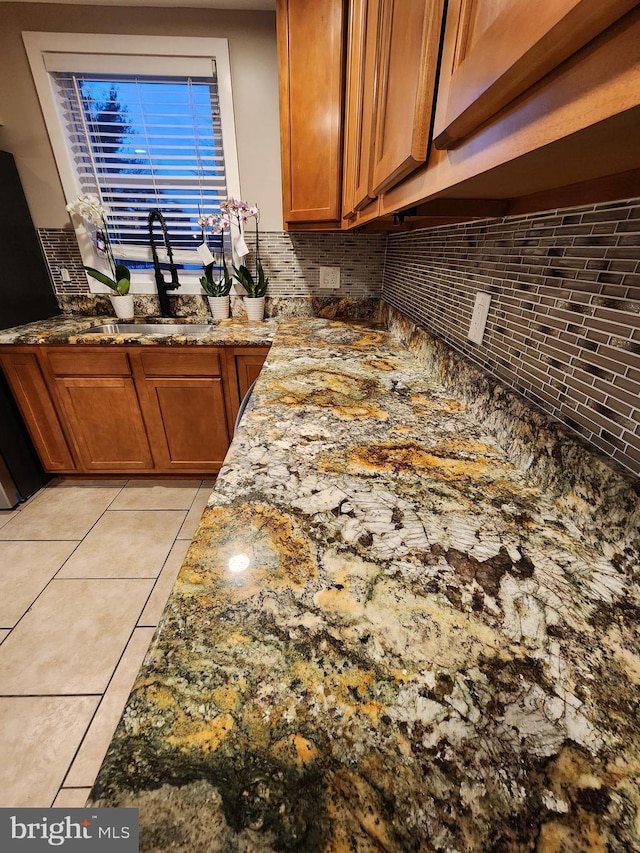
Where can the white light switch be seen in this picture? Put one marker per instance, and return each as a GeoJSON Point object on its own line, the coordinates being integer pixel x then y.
{"type": "Point", "coordinates": [330, 278]}
{"type": "Point", "coordinates": [479, 317]}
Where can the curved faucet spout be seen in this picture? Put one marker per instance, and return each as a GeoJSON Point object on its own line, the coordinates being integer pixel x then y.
{"type": "Point", "coordinates": [161, 284]}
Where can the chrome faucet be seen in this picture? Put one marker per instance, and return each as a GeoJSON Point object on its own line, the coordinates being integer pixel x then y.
{"type": "Point", "coordinates": [161, 284]}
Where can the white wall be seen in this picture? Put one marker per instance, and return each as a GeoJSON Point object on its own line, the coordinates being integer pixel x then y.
{"type": "Point", "coordinates": [254, 71]}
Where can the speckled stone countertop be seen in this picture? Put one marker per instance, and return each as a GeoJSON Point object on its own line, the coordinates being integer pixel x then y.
{"type": "Point", "coordinates": [384, 637]}
{"type": "Point", "coordinates": [66, 329]}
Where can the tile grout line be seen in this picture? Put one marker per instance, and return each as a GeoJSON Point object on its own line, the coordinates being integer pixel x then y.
{"type": "Point", "coordinates": [165, 561]}
{"type": "Point", "coordinates": [95, 713]}
{"type": "Point", "coordinates": [51, 579]}
{"type": "Point", "coordinates": [134, 629]}
{"type": "Point", "coordinates": [59, 569]}
{"type": "Point", "coordinates": [137, 626]}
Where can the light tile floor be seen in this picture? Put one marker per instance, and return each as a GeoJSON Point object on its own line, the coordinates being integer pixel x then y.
{"type": "Point", "coordinates": [86, 568]}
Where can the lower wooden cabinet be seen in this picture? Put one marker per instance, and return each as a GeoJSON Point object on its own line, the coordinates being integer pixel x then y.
{"type": "Point", "coordinates": [130, 409]}
{"type": "Point", "coordinates": [248, 364]}
{"type": "Point", "coordinates": [105, 423]}
{"type": "Point", "coordinates": [187, 419]}
{"type": "Point", "coordinates": [187, 412]}
{"type": "Point", "coordinates": [31, 393]}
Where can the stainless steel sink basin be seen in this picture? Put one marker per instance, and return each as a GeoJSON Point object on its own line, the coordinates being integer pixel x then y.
{"type": "Point", "coordinates": [150, 329]}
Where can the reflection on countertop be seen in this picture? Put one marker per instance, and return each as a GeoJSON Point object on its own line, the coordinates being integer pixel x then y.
{"type": "Point", "coordinates": [386, 636]}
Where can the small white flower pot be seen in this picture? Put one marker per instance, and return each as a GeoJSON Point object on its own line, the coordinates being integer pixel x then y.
{"type": "Point", "coordinates": [254, 306]}
{"type": "Point", "coordinates": [219, 307]}
{"type": "Point", "coordinates": [123, 306]}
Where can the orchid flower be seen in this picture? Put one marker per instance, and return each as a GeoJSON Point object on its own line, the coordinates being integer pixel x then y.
{"type": "Point", "coordinates": [90, 208]}
{"type": "Point", "coordinates": [239, 211]}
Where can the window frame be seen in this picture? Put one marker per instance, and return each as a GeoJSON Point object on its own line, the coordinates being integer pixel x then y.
{"type": "Point", "coordinates": [75, 46]}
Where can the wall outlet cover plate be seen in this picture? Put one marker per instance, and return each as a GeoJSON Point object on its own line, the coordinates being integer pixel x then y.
{"type": "Point", "coordinates": [479, 317]}
{"type": "Point", "coordinates": [330, 278]}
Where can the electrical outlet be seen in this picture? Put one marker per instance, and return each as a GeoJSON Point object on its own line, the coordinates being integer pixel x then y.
{"type": "Point", "coordinates": [479, 317]}
{"type": "Point", "coordinates": [329, 278]}
{"type": "Point", "coordinates": [64, 274]}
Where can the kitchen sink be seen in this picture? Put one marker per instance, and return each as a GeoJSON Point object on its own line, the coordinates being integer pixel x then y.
{"type": "Point", "coordinates": [150, 329]}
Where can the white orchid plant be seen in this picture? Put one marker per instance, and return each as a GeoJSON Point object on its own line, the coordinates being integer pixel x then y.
{"type": "Point", "coordinates": [234, 212]}
{"type": "Point", "coordinates": [221, 287]}
{"type": "Point", "coordinates": [90, 209]}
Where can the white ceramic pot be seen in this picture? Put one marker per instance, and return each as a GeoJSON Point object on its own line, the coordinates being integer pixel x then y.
{"type": "Point", "coordinates": [123, 306]}
{"type": "Point", "coordinates": [254, 306]}
{"type": "Point", "coordinates": [219, 307]}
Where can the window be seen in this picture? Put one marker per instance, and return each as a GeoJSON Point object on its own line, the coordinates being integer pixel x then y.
{"type": "Point", "coordinates": [140, 132]}
{"type": "Point", "coordinates": [143, 142]}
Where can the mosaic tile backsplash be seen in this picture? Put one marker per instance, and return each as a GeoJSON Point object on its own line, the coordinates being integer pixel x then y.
{"type": "Point", "coordinates": [564, 321]}
{"type": "Point", "coordinates": [61, 252]}
{"type": "Point", "coordinates": [292, 262]}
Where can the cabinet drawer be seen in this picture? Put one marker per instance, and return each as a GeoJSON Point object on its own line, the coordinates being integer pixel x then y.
{"type": "Point", "coordinates": [174, 362]}
{"type": "Point", "coordinates": [76, 362]}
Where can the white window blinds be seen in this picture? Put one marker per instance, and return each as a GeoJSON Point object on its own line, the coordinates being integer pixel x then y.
{"type": "Point", "coordinates": [143, 141]}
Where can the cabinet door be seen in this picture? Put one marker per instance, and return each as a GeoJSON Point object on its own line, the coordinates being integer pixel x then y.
{"type": "Point", "coordinates": [34, 401]}
{"type": "Point", "coordinates": [248, 366]}
{"type": "Point", "coordinates": [106, 422]}
{"type": "Point", "coordinates": [359, 106]}
{"type": "Point", "coordinates": [187, 422]}
{"type": "Point", "coordinates": [409, 33]}
{"type": "Point", "coordinates": [310, 59]}
{"type": "Point", "coordinates": [494, 51]}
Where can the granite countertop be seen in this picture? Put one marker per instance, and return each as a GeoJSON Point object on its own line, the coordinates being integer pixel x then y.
{"type": "Point", "coordinates": [384, 636]}
{"type": "Point", "coordinates": [66, 329]}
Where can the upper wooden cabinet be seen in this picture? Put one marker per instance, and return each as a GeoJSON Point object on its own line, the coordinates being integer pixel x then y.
{"type": "Point", "coordinates": [409, 33]}
{"type": "Point", "coordinates": [392, 64]}
{"type": "Point", "coordinates": [566, 136]}
{"type": "Point", "coordinates": [497, 107]}
{"type": "Point", "coordinates": [359, 106]}
{"type": "Point", "coordinates": [311, 43]}
{"type": "Point", "coordinates": [496, 50]}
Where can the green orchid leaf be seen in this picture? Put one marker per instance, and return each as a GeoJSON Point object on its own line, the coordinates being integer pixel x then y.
{"type": "Point", "coordinates": [122, 272]}
{"type": "Point", "coordinates": [261, 287]}
{"type": "Point", "coordinates": [212, 287]}
{"type": "Point", "coordinates": [220, 288]}
{"type": "Point", "coordinates": [123, 286]}
{"type": "Point", "coordinates": [228, 280]}
{"type": "Point", "coordinates": [101, 277]}
{"type": "Point", "coordinates": [244, 277]}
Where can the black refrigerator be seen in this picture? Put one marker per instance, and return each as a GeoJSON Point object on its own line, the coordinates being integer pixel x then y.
{"type": "Point", "coordinates": [26, 295]}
